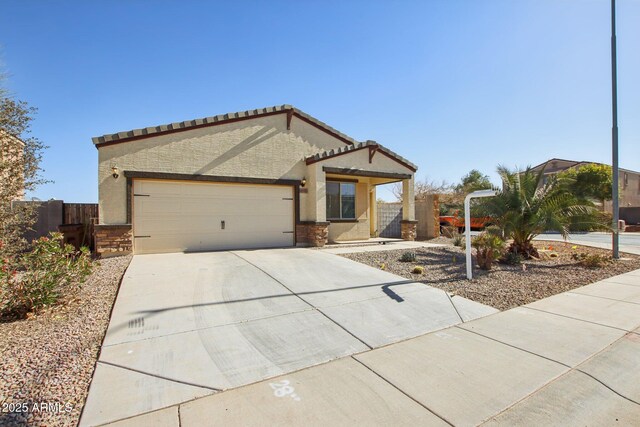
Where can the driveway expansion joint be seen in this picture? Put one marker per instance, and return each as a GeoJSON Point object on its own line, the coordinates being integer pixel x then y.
{"type": "Point", "coordinates": [454, 306]}
{"type": "Point", "coordinates": [513, 346]}
{"type": "Point", "coordinates": [576, 318]}
{"type": "Point", "coordinates": [305, 301]}
{"type": "Point", "coordinates": [601, 297]}
{"type": "Point", "coordinates": [115, 365]}
{"type": "Point", "coordinates": [607, 386]}
{"type": "Point", "coordinates": [402, 391]}
{"type": "Point", "coordinates": [240, 322]}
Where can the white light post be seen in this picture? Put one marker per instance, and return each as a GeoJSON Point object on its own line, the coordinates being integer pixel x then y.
{"type": "Point", "coordinates": [467, 223]}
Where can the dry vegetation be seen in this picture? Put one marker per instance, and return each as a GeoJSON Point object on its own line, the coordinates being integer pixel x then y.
{"type": "Point", "coordinates": [50, 358]}
{"type": "Point", "coordinates": [505, 286]}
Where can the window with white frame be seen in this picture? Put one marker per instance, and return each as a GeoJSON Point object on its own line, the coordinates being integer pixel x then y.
{"type": "Point", "coordinates": [341, 200]}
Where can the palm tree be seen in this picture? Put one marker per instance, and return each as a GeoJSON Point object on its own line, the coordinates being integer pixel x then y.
{"type": "Point", "coordinates": [527, 206]}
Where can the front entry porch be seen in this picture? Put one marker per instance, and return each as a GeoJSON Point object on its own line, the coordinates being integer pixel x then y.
{"type": "Point", "coordinates": [342, 202]}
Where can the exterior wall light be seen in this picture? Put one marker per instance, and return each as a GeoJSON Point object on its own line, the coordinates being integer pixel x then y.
{"type": "Point", "coordinates": [114, 170]}
{"type": "Point", "coordinates": [303, 182]}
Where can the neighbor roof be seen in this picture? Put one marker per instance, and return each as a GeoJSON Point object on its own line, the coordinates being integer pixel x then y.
{"type": "Point", "coordinates": [147, 132]}
{"type": "Point", "coordinates": [578, 163]}
{"type": "Point", "coordinates": [359, 146]}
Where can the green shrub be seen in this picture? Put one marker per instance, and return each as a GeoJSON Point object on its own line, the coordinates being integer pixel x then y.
{"type": "Point", "coordinates": [458, 240]}
{"type": "Point", "coordinates": [41, 276]}
{"type": "Point", "coordinates": [512, 258]}
{"type": "Point", "coordinates": [590, 260]}
{"type": "Point", "coordinates": [489, 248]}
{"type": "Point", "coordinates": [418, 269]}
{"type": "Point", "coordinates": [408, 257]}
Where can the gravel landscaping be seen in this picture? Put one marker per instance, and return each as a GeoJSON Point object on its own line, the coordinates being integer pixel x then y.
{"type": "Point", "coordinates": [49, 359]}
{"type": "Point", "coordinates": [505, 286]}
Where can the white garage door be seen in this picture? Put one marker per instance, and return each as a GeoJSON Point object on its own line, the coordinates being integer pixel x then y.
{"type": "Point", "coordinates": [177, 216]}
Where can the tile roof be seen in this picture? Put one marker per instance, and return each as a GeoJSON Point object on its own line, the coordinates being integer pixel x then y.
{"type": "Point", "coordinates": [359, 146]}
{"type": "Point", "coordinates": [219, 119]}
{"type": "Point", "coordinates": [578, 163]}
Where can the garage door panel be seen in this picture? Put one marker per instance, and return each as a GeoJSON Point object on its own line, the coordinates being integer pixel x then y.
{"type": "Point", "coordinates": [176, 216]}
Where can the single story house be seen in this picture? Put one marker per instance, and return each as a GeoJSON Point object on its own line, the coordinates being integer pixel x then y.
{"type": "Point", "coordinates": [270, 177]}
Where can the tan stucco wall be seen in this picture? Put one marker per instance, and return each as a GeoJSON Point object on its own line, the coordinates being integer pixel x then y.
{"type": "Point", "coordinates": [257, 148]}
{"type": "Point", "coordinates": [630, 194]}
{"type": "Point", "coordinates": [350, 230]}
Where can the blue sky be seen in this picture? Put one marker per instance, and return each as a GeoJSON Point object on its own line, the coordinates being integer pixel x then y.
{"type": "Point", "coordinates": [451, 85]}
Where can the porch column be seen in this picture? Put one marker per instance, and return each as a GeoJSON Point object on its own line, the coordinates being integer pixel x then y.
{"type": "Point", "coordinates": [315, 231]}
{"type": "Point", "coordinates": [317, 193]}
{"type": "Point", "coordinates": [373, 212]}
{"type": "Point", "coordinates": [408, 225]}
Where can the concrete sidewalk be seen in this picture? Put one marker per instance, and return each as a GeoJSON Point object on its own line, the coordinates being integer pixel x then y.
{"type": "Point", "coordinates": [389, 245]}
{"type": "Point", "coordinates": [571, 359]}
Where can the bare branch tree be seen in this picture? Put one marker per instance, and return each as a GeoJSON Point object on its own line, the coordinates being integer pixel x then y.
{"type": "Point", "coordinates": [423, 188]}
{"type": "Point", "coordinates": [20, 156]}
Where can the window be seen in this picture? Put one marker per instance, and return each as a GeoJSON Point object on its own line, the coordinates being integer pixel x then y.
{"type": "Point", "coordinates": [626, 180]}
{"type": "Point", "coordinates": [341, 200]}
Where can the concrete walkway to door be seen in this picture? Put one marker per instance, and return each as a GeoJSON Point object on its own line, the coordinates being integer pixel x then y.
{"type": "Point", "coordinates": [191, 325]}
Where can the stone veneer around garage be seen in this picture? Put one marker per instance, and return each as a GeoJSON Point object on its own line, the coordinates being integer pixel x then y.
{"type": "Point", "coordinates": [113, 240]}
{"type": "Point", "coordinates": [312, 233]}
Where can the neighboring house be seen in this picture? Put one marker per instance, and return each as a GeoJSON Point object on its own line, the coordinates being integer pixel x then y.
{"type": "Point", "coordinates": [11, 152]}
{"type": "Point", "coordinates": [271, 177]}
{"type": "Point", "coordinates": [629, 180]}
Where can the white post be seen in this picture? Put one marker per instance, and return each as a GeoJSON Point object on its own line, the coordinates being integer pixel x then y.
{"type": "Point", "coordinates": [467, 224]}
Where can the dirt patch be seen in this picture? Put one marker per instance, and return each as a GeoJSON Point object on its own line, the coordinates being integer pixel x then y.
{"type": "Point", "coordinates": [49, 359]}
{"type": "Point", "coordinates": [505, 286]}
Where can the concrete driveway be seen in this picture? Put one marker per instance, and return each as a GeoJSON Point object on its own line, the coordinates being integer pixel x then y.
{"type": "Point", "coordinates": [190, 325]}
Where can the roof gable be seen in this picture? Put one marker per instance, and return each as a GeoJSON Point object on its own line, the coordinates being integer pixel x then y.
{"type": "Point", "coordinates": [371, 145]}
{"type": "Point", "coordinates": [290, 111]}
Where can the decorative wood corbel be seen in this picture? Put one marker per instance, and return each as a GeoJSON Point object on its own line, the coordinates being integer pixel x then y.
{"type": "Point", "coordinates": [289, 117]}
{"type": "Point", "coordinates": [372, 152]}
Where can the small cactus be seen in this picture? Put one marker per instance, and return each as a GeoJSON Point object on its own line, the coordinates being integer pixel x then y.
{"type": "Point", "coordinates": [418, 269]}
{"type": "Point", "coordinates": [408, 257]}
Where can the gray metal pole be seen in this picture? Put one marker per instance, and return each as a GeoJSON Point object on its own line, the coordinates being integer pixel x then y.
{"type": "Point", "coordinates": [614, 135]}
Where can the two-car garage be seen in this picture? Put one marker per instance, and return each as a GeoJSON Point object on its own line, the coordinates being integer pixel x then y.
{"type": "Point", "coordinates": [184, 216]}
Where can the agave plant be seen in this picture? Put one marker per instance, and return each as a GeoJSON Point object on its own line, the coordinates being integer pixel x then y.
{"type": "Point", "coordinates": [527, 205]}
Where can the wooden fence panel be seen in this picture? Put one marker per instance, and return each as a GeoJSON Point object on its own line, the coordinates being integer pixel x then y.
{"type": "Point", "coordinates": [80, 213]}
{"type": "Point", "coordinates": [84, 214]}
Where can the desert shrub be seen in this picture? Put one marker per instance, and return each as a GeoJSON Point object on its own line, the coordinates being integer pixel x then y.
{"type": "Point", "coordinates": [458, 240]}
{"type": "Point", "coordinates": [511, 258]}
{"type": "Point", "coordinates": [447, 230]}
{"type": "Point", "coordinates": [489, 248]}
{"type": "Point", "coordinates": [41, 276]}
{"type": "Point", "coordinates": [408, 257]}
{"type": "Point", "coordinates": [590, 260]}
{"type": "Point", "coordinates": [528, 205]}
{"type": "Point", "coordinates": [418, 269]}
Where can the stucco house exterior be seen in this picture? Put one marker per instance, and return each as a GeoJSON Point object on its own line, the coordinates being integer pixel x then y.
{"type": "Point", "coordinates": [11, 155]}
{"type": "Point", "coordinates": [629, 181]}
{"type": "Point", "coordinates": [270, 177]}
